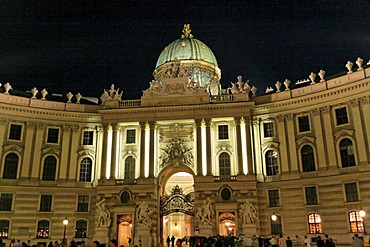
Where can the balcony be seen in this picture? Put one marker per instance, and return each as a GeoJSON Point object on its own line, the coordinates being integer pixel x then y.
{"type": "Point", "coordinates": [223, 178]}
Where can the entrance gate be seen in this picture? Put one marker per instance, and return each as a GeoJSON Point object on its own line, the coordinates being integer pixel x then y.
{"type": "Point", "coordinates": [177, 211]}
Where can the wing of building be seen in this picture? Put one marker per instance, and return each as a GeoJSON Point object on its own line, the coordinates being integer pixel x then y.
{"type": "Point", "coordinates": [188, 158]}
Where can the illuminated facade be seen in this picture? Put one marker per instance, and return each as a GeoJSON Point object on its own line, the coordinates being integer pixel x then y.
{"type": "Point", "coordinates": [300, 154]}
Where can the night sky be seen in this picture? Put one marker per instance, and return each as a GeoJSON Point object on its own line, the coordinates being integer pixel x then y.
{"type": "Point", "coordinates": [86, 46]}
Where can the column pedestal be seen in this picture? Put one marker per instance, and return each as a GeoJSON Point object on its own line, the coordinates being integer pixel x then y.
{"type": "Point", "coordinates": [143, 237]}
{"type": "Point", "coordinates": [102, 235]}
{"type": "Point", "coordinates": [249, 230]}
{"type": "Point", "coordinates": [205, 231]}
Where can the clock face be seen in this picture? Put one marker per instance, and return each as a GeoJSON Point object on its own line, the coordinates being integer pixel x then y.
{"type": "Point", "coordinates": [125, 196]}
{"type": "Point", "coordinates": [225, 194]}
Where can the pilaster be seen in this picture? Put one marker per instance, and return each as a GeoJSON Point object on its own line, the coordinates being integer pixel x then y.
{"type": "Point", "coordinates": [26, 160]}
{"type": "Point", "coordinates": [152, 126]}
{"type": "Point", "coordinates": [64, 163]}
{"type": "Point", "coordinates": [330, 148]}
{"type": "Point", "coordinates": [199, 163]}
{"type": "Point", "coordinates": [283, 144]}
{"type": "Point", "coordinates": [239, 146]}
{"type": "Point", "coordinates": [292, 143]}
{"type": "Point", "coordinates": [37, 143]}
{"type": "Point", "coordinates": [208, 146]}
{"type": "Point", "coordinates": [360, 137]}
{"type": "Point", "coordinates": [320, 146]}
{"type": "Point", "coordinates": [75, 140]}
{"type": "Point", "coordinates": [142, 149]}
{"type": "Point", "coordinates": [115, 146]}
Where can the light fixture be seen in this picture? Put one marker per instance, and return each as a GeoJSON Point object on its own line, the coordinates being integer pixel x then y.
{"type": "Point", "coordinates": [273, 217]}
{"type": "Point", "coordinates": [65, 223]}
{"type": "Point", "coordinates": [227, 223]}
{"type": "Point", "coordinates": [362, 213]}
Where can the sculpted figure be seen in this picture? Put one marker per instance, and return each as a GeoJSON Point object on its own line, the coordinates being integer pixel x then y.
{"type": "Point", "coordinates": [102, 215]}
{"type": "Point", "coordinates": [205, 213]}
{"type": "Point", "coordinates": [143, 213]}
{"type": "Point", "coordinates": [248, 213]}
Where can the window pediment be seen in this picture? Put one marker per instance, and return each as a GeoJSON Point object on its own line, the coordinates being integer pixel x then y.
{"type": "Point", "coordinates": [344, 132]}
{"type": "Point", "coordinates": [268, 145]}
{"type": "Point", "coordinates": [14, 148]}
{"type": "Point", "coordinates": [305, 139]}
{"type": "Point", "coordinates": [50, 150]}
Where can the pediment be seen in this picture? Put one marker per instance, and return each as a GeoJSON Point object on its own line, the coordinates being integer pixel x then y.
{"type": "Point", "coordinates": [270, 145]}
{"type": "Point", "coordinates": [344, 132]}
{"type": "Point", "coordinates": [86, 152]}
{"type": "Point", "coordinates": [13, 147]}
{"type": "Point", "coordinates": [305, 139]}
{"type": "Point", "coordinates": [50, 150]}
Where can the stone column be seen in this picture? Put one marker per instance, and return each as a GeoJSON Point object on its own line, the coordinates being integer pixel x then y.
{"type": "Point", "coordinates": [142, 149]}
{"type": "Point", "coordinates": [26, 161]}
{"type": "Point", "coordinates": [320, 147]}
{"type": "Point", "coordinates": [330, 148]}
{"type": "Point", "coordinates": [65, 152]}
{"type": "Point", "coordinates": [239, 146]}
{"type": "Point", "coordinates": [98, 147]}
{"type": "Point", "coordinates": [113, 163]}
{"type": "Point", "coordinates": [75, 140]}
{"type": "Point", "coordinates": [283, 147]}
{"type": "Point", "coordinates": [208, 147]}
{"type": "Point", "coordinates": [248, 145]}
{"type": "Point", "coordinates": [36, 160]}
{"type": "Point", "coordinates": [292, 144]}
{"type": "Point", "coordinates": [2, 134]}
{"type": "Point", "coordinates": [360, 137]}
{"type": "Point", "coordinates": [152, 126]}
{"type": "Point", "coordinates": [198, 123]}
{"type": "Point", "coordinates": [366, 115]}
{"type": "Point", "coordinates": [257, 144]}
{"type": "Point", "coordinates": [104, 157]}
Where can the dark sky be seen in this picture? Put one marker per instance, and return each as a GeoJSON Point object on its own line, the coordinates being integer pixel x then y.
{"type": "Point", "coordinates": [85, 46]}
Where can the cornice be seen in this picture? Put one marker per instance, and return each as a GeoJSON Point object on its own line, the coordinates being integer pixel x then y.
{"type": "Point", "coordinates": [232, 109]}
{"type": "Point", "coordinates": [43, 114]}
{"type": "Point", "coordinates": [322, 97]}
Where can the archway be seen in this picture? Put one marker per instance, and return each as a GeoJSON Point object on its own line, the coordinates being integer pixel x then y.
{"type": "Point", "coordinates": [177, 206]}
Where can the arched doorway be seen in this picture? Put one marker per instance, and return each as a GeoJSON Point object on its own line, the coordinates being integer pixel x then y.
{"type": "Point", "coordinates": [177, 206]}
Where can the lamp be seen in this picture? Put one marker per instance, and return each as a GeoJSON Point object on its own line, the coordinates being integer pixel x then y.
{"type": "Point", "coordinates": [273, 217]}
{"type": "Point", "coordinates": [362, 214]}
{"type": "Point", "coordinates": [65, 223]}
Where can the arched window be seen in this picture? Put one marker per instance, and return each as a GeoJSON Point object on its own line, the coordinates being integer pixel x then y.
{"type": "Point", "coordinates": [314, 223]}
{"type": "Point", "coordinates": [224, 163]}
{"type": "Point", "coordinates": [308, 159]}
{"type": "Point", "coordinates": [50, 166]}
{"type": "Point", "coordinates": [11, 166]}
{"type": "Point", "coordinates": [276, 226]}
{"type": "Point", "coordinates": [4, 229]}
{"type": "Point", "coordinates": [347, 153]}
{"type": "Point", "coordinates": [85, 170]}
{"type": "Point", "coordinates": [271, 163]}
{"type": "Point", "coordinates": [81, 229]}
{"type": "Point", "coordinates": [43, 229]}
{"type": "Point", "coordinates": [130, 168]}
{"type": "Point", "coordinates": [356, 222]}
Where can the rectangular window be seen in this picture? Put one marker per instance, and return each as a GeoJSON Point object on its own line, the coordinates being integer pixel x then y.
{"type": "Point", "coordinates": [53, 135]}
{"type": "Point", "coordinates": [351, 192]}
{"type": "Point", "coordinates": [131, 136]}
{"type": "Point", "coordinates": [4, 229]}
{"type": "Point", "coordinates": [88, 137]}
{"type": "Point", "coordinates": [274, 199]}
{"type": "Point", "coordinates": [223, 132]}
{"type": "Point", "coordinates": [45, 203]}
{"type": "Point", "coordinates": [341, 115]}
{"type": "Point", "coordinates": [83, 203]}
{"type": "Point", "coordinates": [311, 195]}
{"type": "Point", "coordinates": [268, 129]}
{"type": "Point", "coordinates": [6, 201]}
{"type": "Point", "coordinates": [303, 123]}
{"type": "Point", "coordinates": [15, 132]}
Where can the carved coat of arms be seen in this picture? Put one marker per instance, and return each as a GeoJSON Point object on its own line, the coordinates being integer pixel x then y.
{"type": "Point", "coordinates": [176, 153]}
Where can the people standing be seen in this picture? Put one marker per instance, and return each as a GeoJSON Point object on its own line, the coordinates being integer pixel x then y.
{"type": "Point", "coordinates": [113, 243]}
{"type": "Point", "coordinates": [173, 241]}
{"type": "Point", "coordinates": [289, 242]}
{"type": "Point", "coordinates": [357, 242]}
{"type": "Point", "coordinates": [168, 241]}
{"type": "Point", "coordinates": [95, 243]}
{"type": "Point", "coordinates": [320, 242]}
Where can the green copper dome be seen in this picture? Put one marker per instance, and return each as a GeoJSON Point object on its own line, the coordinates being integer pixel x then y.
{"type": "Point", "coordinates": [190, 58]}
{"type": "Point", "coordinates": [186, 48]}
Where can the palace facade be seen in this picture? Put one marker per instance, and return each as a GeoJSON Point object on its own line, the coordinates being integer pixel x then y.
{"type": "Point", "coordinates": [188, 157]}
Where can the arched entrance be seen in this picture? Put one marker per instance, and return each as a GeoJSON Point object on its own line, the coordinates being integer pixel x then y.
{"type": "Point", "coordinates": [177, 207]}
